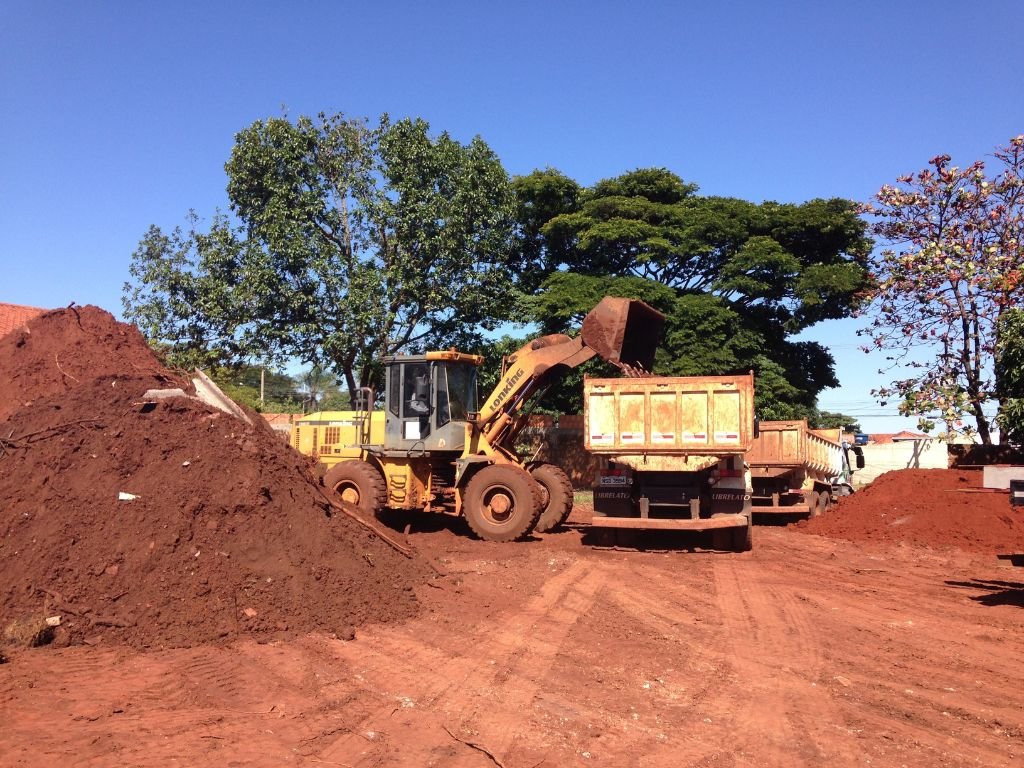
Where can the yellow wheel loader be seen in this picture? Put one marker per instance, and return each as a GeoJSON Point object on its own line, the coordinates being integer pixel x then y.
{"type": "Point", "coordinates": [433, 445]}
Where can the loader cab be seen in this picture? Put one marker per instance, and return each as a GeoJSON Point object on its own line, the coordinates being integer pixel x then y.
{"type": "Point", "coordinates": [428, 400]}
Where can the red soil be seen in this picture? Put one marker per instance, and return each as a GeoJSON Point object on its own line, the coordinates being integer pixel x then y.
{"type": "Point", "coordinates": [228, 534]}
{"type": "Point", "coordinates": [939, 508]}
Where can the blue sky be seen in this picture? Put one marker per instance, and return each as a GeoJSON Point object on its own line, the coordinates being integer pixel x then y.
{"type": "Point", "coordinates": [116, 116]}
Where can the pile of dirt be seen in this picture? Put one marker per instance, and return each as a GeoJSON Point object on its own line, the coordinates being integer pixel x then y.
{"type": "Point", "coordinates": [939, 508]}
{"type": "Point", "coordinates": [60, 350]}
{"type": "Point", "coordinates": [168, 524]}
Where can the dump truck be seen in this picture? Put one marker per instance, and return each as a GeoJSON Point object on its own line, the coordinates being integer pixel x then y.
{"type": "Point", "coordinates": [674, 453]}
{"type": "Point", "coordinates": [796, 470]}
{"type": "Point", "coordinates": [433, 445]}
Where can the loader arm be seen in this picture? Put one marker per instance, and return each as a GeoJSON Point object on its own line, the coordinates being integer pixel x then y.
{"type": "Point", "coordinates": [621, 331]}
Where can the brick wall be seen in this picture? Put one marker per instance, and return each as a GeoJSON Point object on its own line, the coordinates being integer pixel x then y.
{"type": "Point", "coordinates": [560, 443]}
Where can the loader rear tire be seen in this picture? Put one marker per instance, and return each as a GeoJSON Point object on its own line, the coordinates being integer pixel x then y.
{"type": "Point", "coordinates": [559, 504]}
{"type": "Point", "coordinates": [359, 484]}
{"type": "Point", "coordinates": [502, 502]}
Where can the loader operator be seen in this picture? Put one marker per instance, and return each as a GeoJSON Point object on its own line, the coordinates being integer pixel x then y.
{"type": "Point", "coordinates": [419, 402]}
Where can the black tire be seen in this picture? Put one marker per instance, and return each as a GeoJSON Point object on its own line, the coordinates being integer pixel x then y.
{"type": "Point", "coordinates": [743, 538]}
{"type": "Point", "coordinates": [824, 503]}
{"type": "Point", "coordinates": [358, 484]}
{"type": "Point", "coordinates": [502, 502]}
{"type": "Point", "coordinates": [559, 504]}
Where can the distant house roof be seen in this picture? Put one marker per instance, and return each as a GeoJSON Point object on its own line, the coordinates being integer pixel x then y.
{"type": "Point", "coordinates": [15, 316]}
{"type": "Point", "coordinates": [899, 437]}
{"type": "Point", "coordinates": [906, 435]}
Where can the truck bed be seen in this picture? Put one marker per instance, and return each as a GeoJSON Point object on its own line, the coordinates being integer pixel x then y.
{"type": "Point", "coordinates": [669, 415]}
{"type": "Point", "coordinates": [785, 445]}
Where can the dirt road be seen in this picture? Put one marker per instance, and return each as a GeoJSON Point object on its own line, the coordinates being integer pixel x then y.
{"type": "Point", "coordinates": [805, 651]}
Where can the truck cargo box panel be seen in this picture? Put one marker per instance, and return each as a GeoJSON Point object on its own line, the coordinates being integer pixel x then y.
{"type": "Point", "coordinates": [702, 415]}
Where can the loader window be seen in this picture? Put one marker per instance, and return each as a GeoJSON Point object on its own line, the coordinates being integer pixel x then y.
{"type": "Point", "coordinates": [456, 392]}
{"type": "Point", "coordinates": [462, 391]}
{"type": "Point", "coordinates": [444, 414]}
{"type": "Point", "coordinates": [394, 390]}
{"type": "Point", "coordinates": [416, 381]}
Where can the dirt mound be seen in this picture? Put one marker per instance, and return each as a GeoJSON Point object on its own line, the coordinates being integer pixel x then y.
{"type": "Point", "coordinates": [225, 532]}
{"type": "Point", "coordinates": [938, 508]}
{"type": "Point", "coordinates": [63, 348]}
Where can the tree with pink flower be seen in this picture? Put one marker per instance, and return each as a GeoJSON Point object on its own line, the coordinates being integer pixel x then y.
{"type": "Point", "coordinates": [950, 267]}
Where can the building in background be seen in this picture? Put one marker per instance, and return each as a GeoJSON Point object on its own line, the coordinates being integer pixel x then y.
{"type": "Point", "coordinates": [15, 316]}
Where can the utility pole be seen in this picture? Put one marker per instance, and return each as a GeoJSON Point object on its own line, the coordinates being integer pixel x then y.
{"type": "Point", "coordinates": [262, 372]}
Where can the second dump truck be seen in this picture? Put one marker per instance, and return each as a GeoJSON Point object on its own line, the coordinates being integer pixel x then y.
{"type": "Point", "coordinates": [798, 470]}
{"type": "Point", "coordinates": [674, 450]}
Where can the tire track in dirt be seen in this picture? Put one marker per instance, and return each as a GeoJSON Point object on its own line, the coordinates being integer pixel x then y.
{"type": "Point", "coordinates": [773, 641]}
{"type": "Point", "coordinates": [483, 695]}
{"type": "Point", "coordinates": [677, 612]}
{"type": "Point", "coordinates": [924, 677]}
{"type": "Point", "coordinates": [650, 597]}
{"type": "Point", "coordinates": [170, 708]}
{"type": "Point", "coordinates": [916, 680]}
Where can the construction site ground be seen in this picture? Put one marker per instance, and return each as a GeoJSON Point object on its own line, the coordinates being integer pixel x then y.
{"type": "Point", "coordinates": [805, 651]}
{"type": "Point", "coordinates": [177, 590]}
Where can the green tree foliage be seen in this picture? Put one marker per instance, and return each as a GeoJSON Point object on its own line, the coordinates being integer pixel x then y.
{"type": "Point", "coordinates": [1010, 375]}
{"type": "Point", "coordinates": [735, 279]}
{"type": "Point", "coordinates": [540, 197]}
{"type": "Point", "coordinates": [830, 420]}
{"type": "Point", "coordinates": [318, 390]}
{"type": "Point", "coordinates": [952, 268]}
{"type": "Point", "coordinates": [242, 384]}
{"type": "Point", "coordinates": [345, 243]}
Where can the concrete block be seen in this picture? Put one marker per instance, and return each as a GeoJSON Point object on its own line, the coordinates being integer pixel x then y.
{"type": "Point", "coordinates": [1000, 475]}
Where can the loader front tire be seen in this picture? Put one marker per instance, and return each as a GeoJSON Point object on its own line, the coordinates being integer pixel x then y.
{"type": "Point", "coordinates": [359, 484]}
{"type": "Point", "coordinates": [559, 504]}
{"type": "Point", "coordinates": [502, 502]}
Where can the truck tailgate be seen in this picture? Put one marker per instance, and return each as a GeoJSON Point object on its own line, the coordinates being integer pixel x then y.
{"type": "Point", "coordinates": [702, 415]}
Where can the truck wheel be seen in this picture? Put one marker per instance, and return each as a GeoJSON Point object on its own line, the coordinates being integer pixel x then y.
{"type": "Point", "coordinates": [823, 504]}
{"type": "Point", "coordinates": [559, 489]}
{"type": "Point", "coordinates": [502, 502]}
{"type": "Point", "coordinates": [359, 484]}
{"type": "Point", "coordinates": [743, 538]}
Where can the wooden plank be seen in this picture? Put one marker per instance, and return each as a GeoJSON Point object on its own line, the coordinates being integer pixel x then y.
{"type": "Point", "coordinates": [977, 490]}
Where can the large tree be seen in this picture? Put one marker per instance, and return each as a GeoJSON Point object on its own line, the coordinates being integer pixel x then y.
{"type": "Point", "coordinates": [344, 243]}
{"type": "Point", "coordinates": [735, 279]}
{"type": "Point", "coordinates": [951, 269]}
{"type": "Point", "coordinates": [540, 197]}
{"type": "Point", "coordinates": [1010, 375]}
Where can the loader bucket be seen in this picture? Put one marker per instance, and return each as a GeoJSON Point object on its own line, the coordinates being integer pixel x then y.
{"type": "Point", "coordinates": [623, 331]}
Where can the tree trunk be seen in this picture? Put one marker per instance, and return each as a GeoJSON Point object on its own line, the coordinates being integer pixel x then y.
{"type": "Point", "coordinates": [983, 430]}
